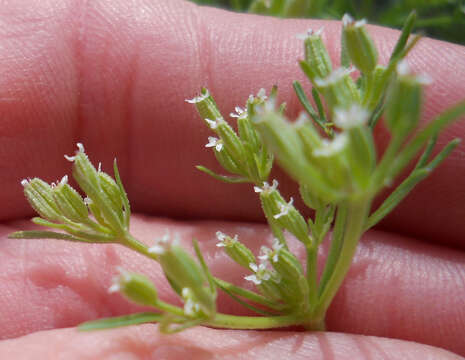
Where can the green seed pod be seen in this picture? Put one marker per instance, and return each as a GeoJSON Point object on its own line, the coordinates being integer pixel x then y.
{"type": "Point", "coordinates": [308, 134]}
{"type": "Point", "coordinates": [231, 141]}
{"type": "Point", "coordinates": [338, 89]}
{"type": "Point", "coordinates": [224, 158]}
{"type": "Point", "coordinates": [248, 134]}
{"type": "Point", "coordinates": [361, 150]}
{"type": "Point", "coordinates": [40, 196]}
{"type": "Point", "coordinates": [332, 158]}
{"type": "Point", "coordinates": [135, 287]}
{"type": "Point", "coordinates": [360, 47]}
{"type": "Point", "coordinates": [70, 202]}
{"type": "Point", "coordinates": [236, 250]}
{"type": "Point", "coordinates": [285, 214]}
{"type": "Point", "coordinates": [317, 60]}
{"type": "Point", "coordinates": [88, 179]}
{"type": "Point", "coordinates": [111, 189]}
{"type": "Point", "coordinates": [266, 280]}
{"type": "Point", "coordinates": [184, 271]}
{"type": "Point", "coordinates": [206, 106]}
{"type": "Point", "coordinates": [310, 199]}
{"type": "Point", "coordinates": [403, 106]}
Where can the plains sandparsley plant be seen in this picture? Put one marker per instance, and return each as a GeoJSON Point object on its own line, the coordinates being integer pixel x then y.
{"type": "Point", "coordinates": [328, 150]}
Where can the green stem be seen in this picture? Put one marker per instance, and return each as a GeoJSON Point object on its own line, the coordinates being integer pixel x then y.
{"type": "Point", "coordinates": [253, 322]}
{"type": "Point", "coordinates": [356, 218]}
{"type": "Point", "coordinates": [312, 276]}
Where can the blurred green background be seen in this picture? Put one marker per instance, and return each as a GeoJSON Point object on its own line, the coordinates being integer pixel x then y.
{"type": "Point", "coordinates": [440, 19]}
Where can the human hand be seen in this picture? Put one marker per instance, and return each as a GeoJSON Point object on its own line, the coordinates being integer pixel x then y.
{"type": "Point", "coordinates": [114, 76]}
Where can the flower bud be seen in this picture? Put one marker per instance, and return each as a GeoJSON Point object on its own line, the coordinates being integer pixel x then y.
{"type": "Point", "coordinates": [332, 160]}
{"type": "Point", "coordinates": [266, 280]}
{"type": "Point", "coordinates": [338, 88]}
{"type": "Point", "coordinates": [235, 249]}
{"type": "Point", "coordinates": [360, 47]}
{"type": "Point", "coordinates": [135, 287]}
{"type": "Point", "coordinates": [310, 198]}
{"type": "Point", "coordinates": [112, 190]}
{"type": "Point", "coordinates": [40, 196]}
{"type": "Point", "coordinates": [285, 214]}
{"type": "Point", "coordinates": [403, 105]}
{"type": "Point", "coordinates": [206, 106]}
{"type": "Point", "coordinates": [361, 150]}
{"type": "Point", "coordinates": [184, 272]}
{"type": "Point", "coordinates": [317, 63]}
{"type": "Point", "coordinates": [89, 180]}
{"type": "Point", "coordinates": [70, 202]}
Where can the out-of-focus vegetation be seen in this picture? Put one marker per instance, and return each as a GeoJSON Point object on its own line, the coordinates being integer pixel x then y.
{"type": "Point", "coordinates": [440, 19]}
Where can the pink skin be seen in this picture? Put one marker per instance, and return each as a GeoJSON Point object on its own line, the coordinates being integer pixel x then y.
{"type": "Point", "coordinates": [115, 77]}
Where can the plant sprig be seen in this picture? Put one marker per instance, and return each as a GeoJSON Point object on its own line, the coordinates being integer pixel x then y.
{"type": "Point", "coordinates": [329, 151]}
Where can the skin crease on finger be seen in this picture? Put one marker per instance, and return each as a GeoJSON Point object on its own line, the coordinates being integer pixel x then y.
{"type": "Point", "coordinates": [397, 287]}
{"type": "Point", "coordinates": [103, 72]}
{"type": "Point", "coordinates": [114, 75]}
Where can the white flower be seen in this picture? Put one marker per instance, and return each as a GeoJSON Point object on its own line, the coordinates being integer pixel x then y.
{"type": "Point", "coordinates": [354, 116]}
{"type": "Point", "coordinates": [334, 77]}
{"type": "Point", "coordinates": [284, 209]}
{"type": "Point", "coordinates": [80, 149]}
{"type": "Point", "coordinates": [25, 182]}
{"type": "Point", "coordinates": [309, 33]}
{"type": "Point", "coordinates": [240, 113]}
{"type": "Point", "coordinates": [225, 240]}
{"type": "Point", "coordinates": [214, 142]}
{"type": "Point", "coordinates": [331, 147]}
{"type": "Point", "coordinates": [64, 180]}
{"type": "Point", "coordinates": [271, 254]}
{"type": "Point", "coordinates": [119, 280]}
{"type": "Point", "coordinates": [162, 244]}
{"type": "Point", "coordinates": [199, 98]}
{"type": "Point", "coordinates": [403, 69]}
{"type": "Point", "coordinates": [190, 306]}
{"type": "Point", "coordinates": [213, 124]}
{"type": "Point", "coordinates": [261, 96]}
{"type": "Point", "coordinates": [266, 187]}
{"type": "Point", "coordinates": [349, 20]}
{"type": "Point", "coordinates": [261, 273]}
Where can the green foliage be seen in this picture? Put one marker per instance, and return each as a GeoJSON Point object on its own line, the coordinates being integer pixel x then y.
{"type": "Point", "coordinates": [441, 19]}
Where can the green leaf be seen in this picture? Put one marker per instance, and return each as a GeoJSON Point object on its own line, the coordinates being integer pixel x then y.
{"type": "Point", "coordinates": [36, 234]}
{"type": "Point", "coordinates": [120, 321]}
{"type": "Point", "coordinates": [417, 175]}
{"type": "Point", "coordinates": [306, 103]}
{"type": "Point", "coordinates": [406, 31]}
{"type": "Point", "coordinates": [124, 196]}
{"type": "Point", "coordinates": [227, 179]}
{"type": "Point", "coordinates": [203, 264]}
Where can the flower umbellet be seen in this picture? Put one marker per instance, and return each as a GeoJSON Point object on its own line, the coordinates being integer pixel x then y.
{"type": "Point", "coordinates": [329, 151]}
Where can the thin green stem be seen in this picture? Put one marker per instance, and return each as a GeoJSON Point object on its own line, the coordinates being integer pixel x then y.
{"type": "Point", "coordinates": [312, 276]}
{"type": "Point", "coordinates": [254, 322]}
{"type": "Point", "coordinates": [356, 218]}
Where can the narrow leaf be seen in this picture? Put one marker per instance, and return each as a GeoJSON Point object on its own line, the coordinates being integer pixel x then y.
{"type": "Point", "coordinates": [227, 179]}
{"type": "Point", "coordinates": [124, 196]}
{"type": "Point", "coordinates": [120, 321]}
{"type": "Point", "coordinates": [306, 103]}
{"type": "Point", "coordinates": [406, 31]}
{"type": "Point", "coordinates": [36, 234]}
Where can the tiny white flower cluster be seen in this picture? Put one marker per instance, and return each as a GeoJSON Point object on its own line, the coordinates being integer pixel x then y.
{"type": "Point", "coordinates": [213, 124]}
{"type": "Point", "coordinates": [225, 240]}
{"type": "Point", "coordinates": [310, 32]}
{"type": "Point", "coordinates": [199, 98]}
{"type": "Point", "coordinates": [162, 244]}
{"type": "Point", "coordinates": [261, 273]}
{"type": "Point", "coordinates": [332, 147]}
{"type": "Point", "coordinates": [335, 76]}
{"type": "Point", "coordinates": [348, 20]}
{"type": "Point", "coordinates": [191, 307]}
{"type": "Point", "coordinates": [80, 149]}
{"type": "Point", "coordinates": [118, 280]}
{"type": "Point", "coordinates": [215, 142]}
{"type": "Point", "coordinates": [284, 209]}
{"type": "Point", "coordinates": [403, 69]}
{"type": "Point", "coordinates": [273, 253]}
{"type": "Point", "coordinates": [261, 95]}
{"type": "Point", "coordinates": [352, 117]}
{"type": "Point", "coordinates": [266, 187]}
{"type": "Point", "coordinates": [240, 113]}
